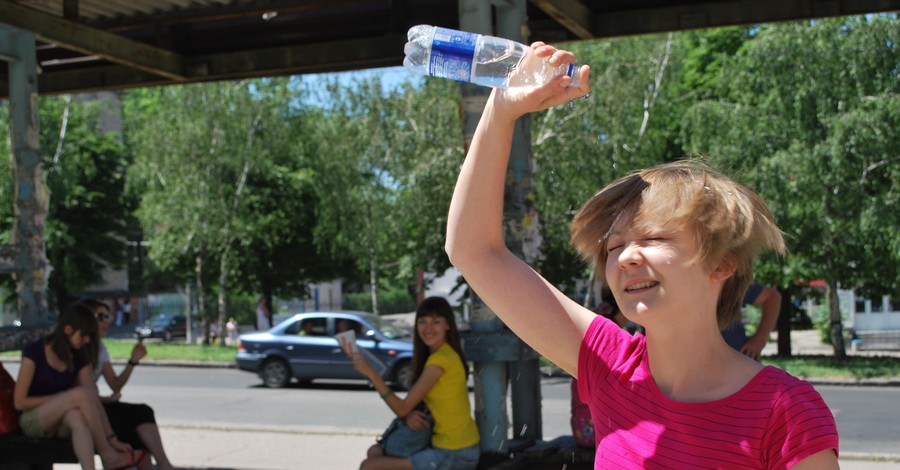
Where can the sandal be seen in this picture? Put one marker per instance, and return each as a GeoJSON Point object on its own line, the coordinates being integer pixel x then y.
{"type": "Point", "coordinates": [133, 459]}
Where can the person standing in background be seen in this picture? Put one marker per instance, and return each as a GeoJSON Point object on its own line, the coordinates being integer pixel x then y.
{"type": "Point", "coordinates": [263, 316]}
{"type": "Point", "coordinates": [231, 328]}
{"type": "Point", "coordinates": [769, 302]}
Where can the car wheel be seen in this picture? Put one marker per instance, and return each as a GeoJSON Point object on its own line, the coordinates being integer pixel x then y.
{"type": "Point", "coordinates": [403, 375]}
{"type": "Point", "coordinates": [275, 373]}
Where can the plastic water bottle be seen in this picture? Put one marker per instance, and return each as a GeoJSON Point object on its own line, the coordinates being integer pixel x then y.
{"type": "Point", "coordinates": [479, 59]}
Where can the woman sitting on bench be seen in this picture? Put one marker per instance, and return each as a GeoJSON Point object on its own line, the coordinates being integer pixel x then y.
{"type": "Point", "coordinates": [55, 392]}
{"type": "Point", "coordinates": [134, 423]}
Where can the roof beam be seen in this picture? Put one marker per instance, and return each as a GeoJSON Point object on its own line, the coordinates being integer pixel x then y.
{"type": "Point", "coordinates": [571, 14]}
{"type": "Point", "coordinates": [714, 14]}
{"type": "Point", "coordinates": [384, 51]}
{"type": "Point", "coordinates": [94, 42]}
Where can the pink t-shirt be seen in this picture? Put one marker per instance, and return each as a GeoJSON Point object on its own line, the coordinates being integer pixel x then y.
{"type": "Point", "coordinates": [775, 421]}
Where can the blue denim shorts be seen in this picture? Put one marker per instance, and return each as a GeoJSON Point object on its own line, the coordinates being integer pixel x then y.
{"type": "Point", "coordinates": [435, 458]}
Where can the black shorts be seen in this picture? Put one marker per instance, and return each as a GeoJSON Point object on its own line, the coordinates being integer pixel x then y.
{"type": "Point", "coordinates": [126, 417]}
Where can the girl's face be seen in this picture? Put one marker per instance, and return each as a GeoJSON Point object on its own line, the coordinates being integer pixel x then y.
{"type": "Point", "coordinates": [432, 329]}
{"type": "Point", "coordinates": [77, 339]}
{"type": "Point", "coordinates": [654, 275]}
{"type": "Point", "coordinates": [103, 320]}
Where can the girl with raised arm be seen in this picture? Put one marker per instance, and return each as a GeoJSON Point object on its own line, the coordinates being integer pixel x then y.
{"type": "Point", "coordinates": [676, 245]}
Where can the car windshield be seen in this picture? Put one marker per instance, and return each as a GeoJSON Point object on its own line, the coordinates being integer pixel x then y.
{"type": "Point", "coordinates": [388, 329]}
{"type": "Point", "coordinates": [160, 321]}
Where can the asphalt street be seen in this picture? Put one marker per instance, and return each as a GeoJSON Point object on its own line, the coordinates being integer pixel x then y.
{"type": "Point", "coordinates": [225, 418]}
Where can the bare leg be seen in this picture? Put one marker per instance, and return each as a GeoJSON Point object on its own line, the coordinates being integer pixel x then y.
{"type": "Point", "coordinates": [74, 427]}
{"type": "Point", "coordinates": [149, 434]}
{"type": "Point", "coordinates": [386, 463]}
{"type": "Point", "coordinates": [53, 411]}
{"type": "Point", "coordinates": [375, 451]}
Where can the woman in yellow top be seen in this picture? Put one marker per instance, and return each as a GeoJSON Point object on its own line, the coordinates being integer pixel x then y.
{"type": "Point", "coordinates": [439, 379]}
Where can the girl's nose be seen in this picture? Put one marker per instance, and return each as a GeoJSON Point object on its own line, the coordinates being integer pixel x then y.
{"type": "Point", "coordinates": [630, 255]}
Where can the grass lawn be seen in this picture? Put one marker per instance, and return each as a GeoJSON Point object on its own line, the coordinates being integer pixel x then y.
{"type": "Point", "coordinates": [824, 367]}
{"type": "Point", "coordinates": [121, 349]}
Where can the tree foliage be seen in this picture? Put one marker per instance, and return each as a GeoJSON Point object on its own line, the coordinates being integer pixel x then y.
{"type": "Point", "coordinates": [89, 212]}
{"type": "Point", "coordinates": [807, 114]}
{"type": "Point", "coordinates": [386, 165]}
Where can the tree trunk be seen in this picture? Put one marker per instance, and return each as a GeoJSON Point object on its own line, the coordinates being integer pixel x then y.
{"type": "Point", "coordinates": [188, 313]}
{"type": "Point", "coordinates": [784, 323]}
{"type": "Point", "coordinates": [837, 329]}
{"type": "Point", "coordinates": [373, 279]}
{"type": "Point", "coordinates": [223, 296]}
{"type": "Point", "coordinates": [201, 295]}
{"type": "Point", "coordinates": [589, 295]}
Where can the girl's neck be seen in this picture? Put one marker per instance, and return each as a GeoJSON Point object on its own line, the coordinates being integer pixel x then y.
{"type": "Point", "coordinates": [433, 349]}
{"type": "Point", "coordinates": [697, 366]}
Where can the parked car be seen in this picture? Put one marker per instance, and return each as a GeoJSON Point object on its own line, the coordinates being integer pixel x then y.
{"type": "Point", "coordinates": [303, 347]}
{"type": "Point", "coordinates": [163, 326]}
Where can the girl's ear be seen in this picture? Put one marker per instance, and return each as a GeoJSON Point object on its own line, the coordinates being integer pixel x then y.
{"type": "Point", "coordinates": [724, 269]}
{"type": "Point", "coordinates": [68, 330]}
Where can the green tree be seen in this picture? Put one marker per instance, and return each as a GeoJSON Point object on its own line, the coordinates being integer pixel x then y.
{"type": "Point", "coordinates": [386, 164]}
{"type": "Point", "coordinates": [805, 114]}
{"type": "Point", "coordinates": [89, 211]}
{"type": "Point", "coordinates": [630, 121]}
{"type": "Point", "coordinates": [223, 190]}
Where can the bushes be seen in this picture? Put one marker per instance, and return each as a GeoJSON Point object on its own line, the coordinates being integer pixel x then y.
{"type": "Point", "coordinates": [389, 301]}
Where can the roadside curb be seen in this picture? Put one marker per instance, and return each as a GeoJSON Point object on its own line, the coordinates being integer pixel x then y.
{"type": "Point", "coordinates": [546, 371]}
{"type": "Point", "coordinates": [156, 363]}
{"type": "Point", "coordinates": [556, 373]}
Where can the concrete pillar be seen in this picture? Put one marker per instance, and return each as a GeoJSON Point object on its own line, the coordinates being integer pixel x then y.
{"type": "Point", "coordinates": [502, 359]}
{"type": "Point", "coordinates": [32, 196]}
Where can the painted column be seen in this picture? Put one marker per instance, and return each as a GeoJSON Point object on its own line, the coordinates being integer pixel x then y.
{"type": "Point", "coordinates": [31, 192]}
{"type": "Point", "coordinates": [501, 359]}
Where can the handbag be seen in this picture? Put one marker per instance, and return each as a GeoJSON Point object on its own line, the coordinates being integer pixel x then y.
{"type": "Point", "coordinates": [399, 440]}
{"type": "Point", "coordinates": [9, 417]}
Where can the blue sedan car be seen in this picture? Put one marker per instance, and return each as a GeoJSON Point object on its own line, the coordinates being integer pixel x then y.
{"type": "Point", "coordinates": [303, 347]}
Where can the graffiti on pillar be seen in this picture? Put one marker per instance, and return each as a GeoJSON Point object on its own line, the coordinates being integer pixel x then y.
{"type": "Point", "coordinates": [523, 233]}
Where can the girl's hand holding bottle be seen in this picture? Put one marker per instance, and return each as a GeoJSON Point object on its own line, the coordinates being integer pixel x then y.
{"type": "Point", "coordinates": [515, 102]}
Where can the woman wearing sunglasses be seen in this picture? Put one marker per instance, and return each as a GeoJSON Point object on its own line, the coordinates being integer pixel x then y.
{"type": "Point", "coordinates": [134, 423]}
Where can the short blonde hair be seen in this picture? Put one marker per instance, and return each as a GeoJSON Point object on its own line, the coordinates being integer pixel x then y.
{"type": "Point", "coordinates": [733, 224]}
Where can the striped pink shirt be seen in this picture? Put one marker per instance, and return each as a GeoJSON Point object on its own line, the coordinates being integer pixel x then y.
{"type": "Point", "coordinates": [775, 421]}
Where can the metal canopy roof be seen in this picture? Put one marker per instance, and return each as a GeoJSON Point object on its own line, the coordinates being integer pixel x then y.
{"type": "Point", "coordinates": [86, 45]}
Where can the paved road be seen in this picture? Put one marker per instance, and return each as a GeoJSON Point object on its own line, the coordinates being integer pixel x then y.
{"type": "Point", "coordinates": [198, 404]}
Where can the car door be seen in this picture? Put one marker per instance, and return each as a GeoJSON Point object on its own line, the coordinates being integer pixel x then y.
{"type": "Point", "coordinates": [308, 348]}
{"type": "Point", "coordinates": [341, 363]}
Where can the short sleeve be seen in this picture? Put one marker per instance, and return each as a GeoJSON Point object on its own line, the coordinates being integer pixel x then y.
{"type": "Point", "coordinates": [801, 426]}
{"type": "Point", "coordinates": [440, 359]}
{"type": "Point", "coordinates": [605, 347]}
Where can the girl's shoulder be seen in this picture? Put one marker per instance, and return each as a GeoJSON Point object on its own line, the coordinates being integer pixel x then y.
{"type": "Point", "coordinates": [35, 350]}
{"type": "Point", "coordinates": [782, 388]}
{"type": "Point", "coordinates": [444, 355]}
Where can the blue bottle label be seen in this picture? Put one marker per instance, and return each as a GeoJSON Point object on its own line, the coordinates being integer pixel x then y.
{"type": "Point", "coordinates": [451, 54]}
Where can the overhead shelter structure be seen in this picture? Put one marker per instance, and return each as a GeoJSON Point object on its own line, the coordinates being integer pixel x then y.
{"type": "Point", "coordinates": [74, 46]}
